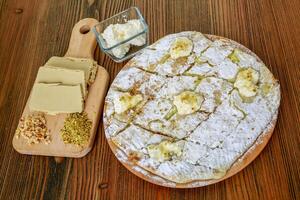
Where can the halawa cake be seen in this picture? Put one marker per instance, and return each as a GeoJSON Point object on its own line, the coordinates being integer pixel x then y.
{"type": "Point", "coordinates": [188, 106]}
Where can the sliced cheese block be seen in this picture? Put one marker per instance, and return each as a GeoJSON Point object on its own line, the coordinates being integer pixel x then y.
{"type": "Point", "coordinates": [55, 98]}
{"type": "Point", "coordinates": [87, 65]}
{"type": "Point", "coordinates": [49, 74]}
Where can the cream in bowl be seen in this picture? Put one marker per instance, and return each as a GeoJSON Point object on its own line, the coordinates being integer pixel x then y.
{"type": "Point", "coordinates": [122, 35]}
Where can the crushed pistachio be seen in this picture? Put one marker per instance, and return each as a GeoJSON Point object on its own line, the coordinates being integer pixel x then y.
{"type": "Point", "coordinates": [217, 97]}
{"type": "Point", "coordinates": [164, 58]}
{"type": "Point", "coordinates": [76, 130]}
{"type": "Point", "coordinates": [233, 56]}
{"type": "Point", "coordinates": [151, 68]}
{"type": "Point", "coordinates": [198, 60]}
{"type": "Point", "coordinates": [198, 81]}
{"type": "Point", "coordinates": [171, 113]}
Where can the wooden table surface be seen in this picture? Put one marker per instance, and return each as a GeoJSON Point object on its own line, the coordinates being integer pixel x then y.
{"type": "Point", "coordinates": [33, 30]}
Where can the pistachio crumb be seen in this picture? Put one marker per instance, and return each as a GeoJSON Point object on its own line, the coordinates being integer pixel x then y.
{"type": "Point", "coordinates": [76, 129]}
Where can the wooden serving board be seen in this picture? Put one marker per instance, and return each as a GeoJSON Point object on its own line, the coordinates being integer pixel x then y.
{"type": "Point", "coordinates": [239, 165]}
{"type": "Point", "coordinates": [82, 45]}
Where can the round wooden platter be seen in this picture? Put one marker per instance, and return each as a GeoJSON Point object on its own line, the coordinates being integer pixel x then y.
{"type": "Point", "coordinates": [239, 165]}
{"type": "Point", "coordinates": [82, 45]}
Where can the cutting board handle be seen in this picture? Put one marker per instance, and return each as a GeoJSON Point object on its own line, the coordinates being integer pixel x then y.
{"type": "Point", "coordinates": [83, 41]}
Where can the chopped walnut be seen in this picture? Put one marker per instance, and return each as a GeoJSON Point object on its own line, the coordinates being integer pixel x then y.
{"type": "Point", "coordinates": [33, 128]}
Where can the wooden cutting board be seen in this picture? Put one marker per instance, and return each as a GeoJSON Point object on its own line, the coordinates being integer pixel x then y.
{"type": "Point", "coordinates": [82, 45]}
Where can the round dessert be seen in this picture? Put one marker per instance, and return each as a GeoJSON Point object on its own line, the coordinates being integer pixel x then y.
{"type": "Point", "coordinates": [186, 111]}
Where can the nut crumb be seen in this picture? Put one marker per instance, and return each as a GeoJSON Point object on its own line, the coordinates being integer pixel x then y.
{"type": "Point", "coordinates": [76, 130]}
{"type": "Point", "coordinates": [33, 128]}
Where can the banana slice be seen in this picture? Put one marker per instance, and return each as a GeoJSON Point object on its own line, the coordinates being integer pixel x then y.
{"type": "Point", "coordinates": [187, 102]}
{"type": "Point", "coordinates": [126, 102]}
{"type": "Point", "coordinates": [246, 82]}
{"type": "Point", "coordinates": [181, 47]}
{"type": "Point", "coordinates": [248, 91]}
{"type": "Point", "coordinates": [164, 150]}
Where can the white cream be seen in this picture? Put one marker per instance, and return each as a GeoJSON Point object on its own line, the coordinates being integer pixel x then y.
{"type": "Point", "coordinates": [116, 33]}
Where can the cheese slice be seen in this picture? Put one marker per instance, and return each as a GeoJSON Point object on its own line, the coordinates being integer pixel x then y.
{"type": "Point", "coordinates": [89, 66]}
{"type": "Point", "coordinates": [56, 98]}
{"type": "Point", "coordinates": [49, 74]}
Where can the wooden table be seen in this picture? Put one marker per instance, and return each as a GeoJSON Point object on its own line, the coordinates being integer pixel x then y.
{"type": "Point", "coordinates": [33, 30]}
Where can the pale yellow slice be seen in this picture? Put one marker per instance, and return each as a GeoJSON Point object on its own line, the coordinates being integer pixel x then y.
{"type": "Point", "coordinates": [89, 66]}
{"type": "Point", "coordinates": [55, 98]}
{"type": "Point", "coordinates": [187, 102]}
{"type": "Point", "coordinates": [50, 74]}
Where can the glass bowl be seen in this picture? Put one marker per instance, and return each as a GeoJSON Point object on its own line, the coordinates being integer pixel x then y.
{"type": "Point", "coordinates": [121, 18]}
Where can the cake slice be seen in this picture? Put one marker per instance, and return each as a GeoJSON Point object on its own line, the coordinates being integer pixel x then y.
{"type": "Point", "coordinates": [89, 66]}
{"type": "Point", "coordinates": [50, 74]}
{"type": "Point", "coordinates": [55, 98]}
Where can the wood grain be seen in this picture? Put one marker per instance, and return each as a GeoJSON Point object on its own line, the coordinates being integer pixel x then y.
{"type": "Point", "coordinates": [33, 30]}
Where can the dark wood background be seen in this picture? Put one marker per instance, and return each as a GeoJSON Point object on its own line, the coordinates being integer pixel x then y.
{"type": "Point", "coordinates": [33, 30]}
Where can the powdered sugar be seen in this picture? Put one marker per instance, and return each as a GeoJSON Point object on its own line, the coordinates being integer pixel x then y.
{"type": "Point", "coordinates": [216, 136]}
